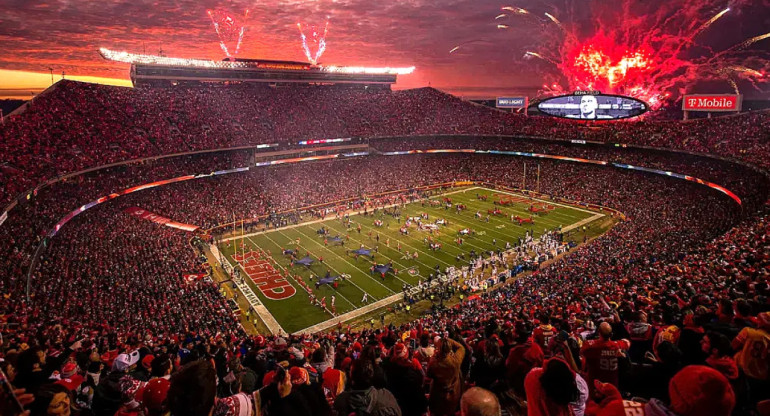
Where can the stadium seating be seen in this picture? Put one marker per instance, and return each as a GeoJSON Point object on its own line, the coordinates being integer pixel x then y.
{"type": "Point", "coordinates": [687, 265]}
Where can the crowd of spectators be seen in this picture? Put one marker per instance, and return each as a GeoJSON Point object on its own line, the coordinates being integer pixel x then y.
{"type": "Point", "coordinates": [652, 271]}
{"type": "Point", "coordinates": [77, 126]}
{"type": "Point", "coordinates": [666, 313]}
{"type": "Point", "coordinates": [27, 223]}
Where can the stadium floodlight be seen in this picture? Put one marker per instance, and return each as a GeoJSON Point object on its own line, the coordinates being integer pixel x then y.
{"type": "Point", "coordinates": [367, 70]}
{"type": "Point", "coordinates": [134, 58]}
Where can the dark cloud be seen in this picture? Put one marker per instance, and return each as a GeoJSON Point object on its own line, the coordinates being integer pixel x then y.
{"type": "Point", "coordinates": [66, 34]}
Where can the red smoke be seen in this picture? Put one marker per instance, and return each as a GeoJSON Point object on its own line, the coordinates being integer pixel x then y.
{"type": "Point", "coordinates": [649, 50]}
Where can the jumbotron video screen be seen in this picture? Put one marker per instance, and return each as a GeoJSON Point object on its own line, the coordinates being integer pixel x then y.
{"type": "Point", "coordinates": [593, 106]}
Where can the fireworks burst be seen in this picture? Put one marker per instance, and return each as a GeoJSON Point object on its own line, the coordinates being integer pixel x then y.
{"type": "Point", "coordinates": [317, 40]}
{"type": "Point", "coordinates": [709, 22]}
{"type": "Point", "coordinates": [553, 19]}
{"type": "Point", "coordinates": [229, 29]}
{"type": "Point", "coordinates": [652, 55]}
{"type": "Point", "coordinates": [749, 71]}
{"type": "Point", "coordinates": [462, 45]}
{"type": "Point", "coordinates": [749, 42]}
{"type": "Point", "coordinates": [531, 54]}
{"type": "Point", "coordinates": [517, 10]}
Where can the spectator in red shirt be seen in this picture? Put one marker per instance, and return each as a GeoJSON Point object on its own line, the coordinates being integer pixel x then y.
{"type": "Point", "coordinates": [601, 357]}
{"type": "Point", "coordinates": [543, 333]}
{"type": "Point", "coordinates": [524, 356]}
{"type": "Point", "coordinates": [551, 389]}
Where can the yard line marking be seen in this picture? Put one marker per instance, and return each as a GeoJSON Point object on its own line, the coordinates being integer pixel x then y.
{"type": "Point", "coordinates": [395, 250]}
{"type": "Point", "coordinates": [391, 260]}
{"type": "Point", "coordinates": [543, 218]}
{"type": "Point", "coordinates": [337, 271]}
{"type": "Point", "coordinates": [289, 271]}
{"type": "Point", "coordinates": [316, 221]}
{"type": "Point", "coordinates": [560, 214]}
{"type": "Point", "coordinates": [471, 221]}
{"type": "Point", "coordinates": [408, 241]}
{"type": "Point", "coordinates": [423, 252]}
{"type": "Point", "coordinates": [453, 240]}
{"type": "Point", "coordinates": [345, 260]}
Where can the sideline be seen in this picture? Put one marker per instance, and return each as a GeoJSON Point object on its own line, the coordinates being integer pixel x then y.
{"type": "Point", "coordinates": [272, 324]}
{"type": "Point", "coordinates": [276, 328]}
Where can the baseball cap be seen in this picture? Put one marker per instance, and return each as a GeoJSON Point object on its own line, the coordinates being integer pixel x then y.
{"type": "Point", "coordinates": [69, 370]}
{"type": "Point", "coordinates": [71, 383]}
{"type": "Point", "coordinates": [260, 341]}
{"type": "Point", "coordinates": [298, 375]}
{"type": "Point", "coordinates": [280, 343]}
{"type": "Point", "coordinates": [124, 361]}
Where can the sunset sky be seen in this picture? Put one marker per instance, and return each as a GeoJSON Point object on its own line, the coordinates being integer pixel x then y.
{"type": "Point", "coordinates": [65, 35]}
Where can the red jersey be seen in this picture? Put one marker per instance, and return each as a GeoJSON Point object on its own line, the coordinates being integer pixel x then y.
{"type": "Point", "coordinates": [753, 356]}
{"type": "Point", "coordinates": [601, 359]}
{"type": "Point", "coordinates": [521, 359]}
{"type": "Point", "coordinates": [542, 335]}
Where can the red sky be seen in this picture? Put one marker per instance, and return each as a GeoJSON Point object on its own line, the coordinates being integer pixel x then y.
{"type": "Point", "coordinates": [65, 35]}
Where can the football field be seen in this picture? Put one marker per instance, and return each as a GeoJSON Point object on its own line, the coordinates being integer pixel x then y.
{"type": "Point", "coordinates": [348, 250]}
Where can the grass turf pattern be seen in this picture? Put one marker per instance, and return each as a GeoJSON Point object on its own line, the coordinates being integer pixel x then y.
{"type": "Point", "coordinates": [296, 313]}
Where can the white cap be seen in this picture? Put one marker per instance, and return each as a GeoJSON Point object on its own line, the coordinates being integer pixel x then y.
{"type": "Point", "coordinates": [124, 361]}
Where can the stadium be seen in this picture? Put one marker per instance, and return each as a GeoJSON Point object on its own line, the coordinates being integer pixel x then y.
{"type": "Point", "coordinates": [263, 236]}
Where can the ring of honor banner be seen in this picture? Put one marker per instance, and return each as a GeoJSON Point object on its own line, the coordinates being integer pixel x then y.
{"type": "Point", "coordinates": [159, 219]}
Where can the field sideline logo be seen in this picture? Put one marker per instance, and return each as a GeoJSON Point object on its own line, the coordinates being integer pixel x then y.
{"type": "Point", "coordinates": [272, 285]}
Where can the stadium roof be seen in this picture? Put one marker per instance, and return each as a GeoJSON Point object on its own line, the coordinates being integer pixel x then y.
{"type": "Point", "coordinates": [133, 58]}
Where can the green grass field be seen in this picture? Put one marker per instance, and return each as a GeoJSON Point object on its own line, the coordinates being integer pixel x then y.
{"type": "Point", "coordinates": [296, 312]}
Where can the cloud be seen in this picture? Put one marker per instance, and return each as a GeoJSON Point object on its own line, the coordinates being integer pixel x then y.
{"type": "Point", "coordinates": [65, 34]}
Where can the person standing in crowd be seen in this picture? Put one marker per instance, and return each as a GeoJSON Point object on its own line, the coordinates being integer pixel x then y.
{"type": "Point", "coordinates": [552, 390]}
{"type": "Point", "coordinates": [363, 399]}
{"type": "Point", "coordinates": [193, 390]}
{"type": "Point", "coordinates": [405, 380]}
{"type": "Point", "coordinates": [444, 370]}
{"type": "Point", "coordinates": [753, 357]}
{"type": "Point", "coordinates": [602, 356]}
{"type": "Point", "coordinates": [108, 396]}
